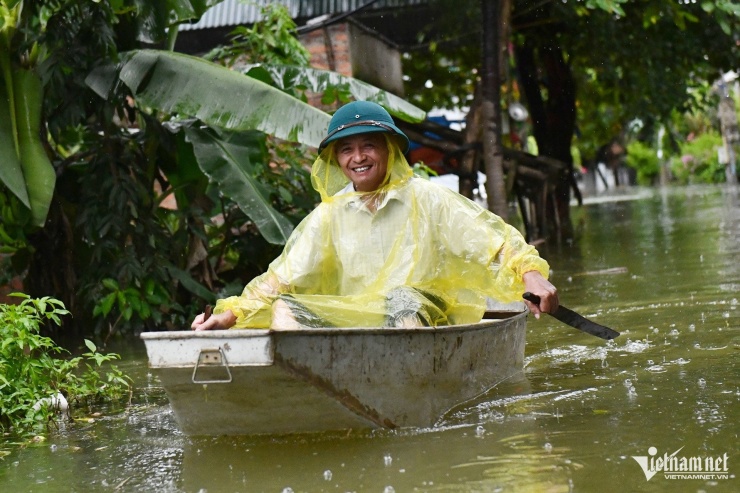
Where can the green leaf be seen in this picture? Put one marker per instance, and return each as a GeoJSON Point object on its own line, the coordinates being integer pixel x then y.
{"type": "Point", "coordinates": [107, 304]}
{"type": "Point", "coordinates": [90, 345]}
{"type": "Point", "coordinates": [110, 284]}
{"type": "Point", "coordinates": [38, 171]}
{"type": "Point", "coordinates": [192, 87]}
{"type": "Point", "coordinates": [226, 159]}
{"type": "Point", "coordinates": [191, 284]}
{"type": "Point", "coordinates": [11, 173]}
{"type": "Point", "coordinates": [287, 77]}
{"type": "Point", "coordinates": [154, 19]}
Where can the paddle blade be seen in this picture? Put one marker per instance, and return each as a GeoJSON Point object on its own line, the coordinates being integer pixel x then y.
{"type": "Point", "coordinates": [569, 317]}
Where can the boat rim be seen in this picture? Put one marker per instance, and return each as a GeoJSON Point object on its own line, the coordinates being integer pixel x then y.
{"type": "Point", "coordinates": [502, 316]}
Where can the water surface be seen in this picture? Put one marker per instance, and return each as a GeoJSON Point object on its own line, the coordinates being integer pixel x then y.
{"type": "Point", "coordinates": [661, 268]}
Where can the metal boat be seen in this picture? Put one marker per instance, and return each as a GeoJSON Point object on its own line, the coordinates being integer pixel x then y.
{"type": "Point", "coordinates": [254, 381]}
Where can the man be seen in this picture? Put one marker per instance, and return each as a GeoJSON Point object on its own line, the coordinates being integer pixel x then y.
{"type": "Point", "coordinates": [385, 248]}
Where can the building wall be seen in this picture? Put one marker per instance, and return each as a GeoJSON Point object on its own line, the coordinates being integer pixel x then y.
{"type": "Point", "coordinates": [329, 48]}
{"type": "Point", "coordinates": [353, 51]}
{"type": "Point", "coordinates": [375, 60]}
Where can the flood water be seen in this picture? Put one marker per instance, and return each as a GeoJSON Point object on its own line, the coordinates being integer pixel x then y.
{"type": "Point", "coordinates": [662, 267]}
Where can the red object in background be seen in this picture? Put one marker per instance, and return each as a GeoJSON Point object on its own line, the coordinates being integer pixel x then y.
{"type": "Point", "coordinates": [431, 157]}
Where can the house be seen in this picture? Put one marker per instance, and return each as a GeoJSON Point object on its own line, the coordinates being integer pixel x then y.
{"type": "Point", "coordinates": [357, 38]}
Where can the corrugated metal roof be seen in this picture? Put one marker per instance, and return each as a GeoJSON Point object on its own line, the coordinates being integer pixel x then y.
{"type": "Point", "coordinates": [314, 8]}
{"type": "Point", "coordinates": [239, 12]}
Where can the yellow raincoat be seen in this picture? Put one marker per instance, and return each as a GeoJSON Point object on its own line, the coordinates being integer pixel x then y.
{"type": "Point", "coordinates": [346, 261]}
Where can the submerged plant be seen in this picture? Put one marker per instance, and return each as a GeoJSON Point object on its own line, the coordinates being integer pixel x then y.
{"type": "Point", "coordinates": [35, 383]}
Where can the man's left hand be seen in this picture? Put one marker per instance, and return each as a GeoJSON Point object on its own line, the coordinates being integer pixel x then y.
{"type": "Point", "coordinates": [538, 285]}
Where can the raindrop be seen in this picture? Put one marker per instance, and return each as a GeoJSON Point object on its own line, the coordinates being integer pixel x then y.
{"type": "Point", "coordinates": [327, 475]}
{"type": "Point", "coordinates": [387, 460]}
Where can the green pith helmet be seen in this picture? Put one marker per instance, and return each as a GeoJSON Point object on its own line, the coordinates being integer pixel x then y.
{"type": "Point", "coordinates": [359, 117]}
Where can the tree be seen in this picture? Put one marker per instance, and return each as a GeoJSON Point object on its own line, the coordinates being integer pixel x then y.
{"type": "Point", "coordinates": [125, 128]}
{"type": "Point", "coordinates": [590, 66]}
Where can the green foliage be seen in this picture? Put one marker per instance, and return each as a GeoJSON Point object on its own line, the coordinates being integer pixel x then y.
{"type": "Point", "coordinates": [644, 159]}
{"type": "Point", "coordinates": [423, 171]}
{"type": "Point", "coordinates": [271, 41]}
{"type": "Point", "coordinates": [30, 372]}
{"type": "Point", "coordinates": [698, 161]}
{"type": "Point", "coordinates": [150, 219]}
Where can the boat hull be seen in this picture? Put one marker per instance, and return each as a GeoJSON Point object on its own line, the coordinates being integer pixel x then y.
{"type": "Point", "coordinates": [240, 382]}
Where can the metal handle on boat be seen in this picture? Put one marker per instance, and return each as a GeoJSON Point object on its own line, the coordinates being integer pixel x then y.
{"type": "Point", "coordinates": [212, 356]}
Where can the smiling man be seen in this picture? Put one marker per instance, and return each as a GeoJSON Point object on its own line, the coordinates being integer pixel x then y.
{"type": "Point", "coordinates": [385, 248]}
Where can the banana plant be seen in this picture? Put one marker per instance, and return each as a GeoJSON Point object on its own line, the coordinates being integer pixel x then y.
{"type": "Point", "coordinates": [229, 102]}
{"type": "Point", "coordinates": [187, 88]}
{"type": "Point", "coordinates": [26, 169]}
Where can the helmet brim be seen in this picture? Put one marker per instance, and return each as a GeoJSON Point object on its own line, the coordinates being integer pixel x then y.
{"type": "Point", "coordinates": [401, 137]}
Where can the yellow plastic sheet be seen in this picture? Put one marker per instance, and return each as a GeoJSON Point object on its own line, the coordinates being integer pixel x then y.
{"type": "Point", "coordinates": [371, 259]}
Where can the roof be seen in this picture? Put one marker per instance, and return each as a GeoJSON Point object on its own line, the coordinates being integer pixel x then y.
{"type": "Point", "coordinates": [240, 12]}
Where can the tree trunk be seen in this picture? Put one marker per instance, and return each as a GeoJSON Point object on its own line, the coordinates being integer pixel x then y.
{"type": "Point", "coordinates": [553, 120]}
{"type": "Point", "coordinates": [471, 157]}
{"type": "Point", "coordinates": [491, 109]}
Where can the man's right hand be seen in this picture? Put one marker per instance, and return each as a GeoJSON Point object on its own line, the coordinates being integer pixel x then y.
{"type": "Point", "coordinates": [224, 320]}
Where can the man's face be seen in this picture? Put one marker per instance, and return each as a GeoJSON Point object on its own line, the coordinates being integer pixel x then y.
{"type": "Point", "coordinates": [363, 159]}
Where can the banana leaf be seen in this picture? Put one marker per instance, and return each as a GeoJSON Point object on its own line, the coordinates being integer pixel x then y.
{"type": "Point", "coordinates": [155, 18]}
{"type": "Point", "coordinates": [286, 77]}
{"type": "Point", "coordinates": [38, 172]}
{"type": "Point", "coordinates": [187, 86]}
{"type": "Point", "coordinates": [228, 161]}
{"type": "Point", "coordinates": [11, 173]}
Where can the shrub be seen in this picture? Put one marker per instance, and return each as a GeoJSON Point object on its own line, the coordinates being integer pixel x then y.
{"type": "Point", "coordinates": [644, 160]}
{"type": "Point", "coordinates": [698, 161]}
{"type": "Point", "coordinates": [34, 384]}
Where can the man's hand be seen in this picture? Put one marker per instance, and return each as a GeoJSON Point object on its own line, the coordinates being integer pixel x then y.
{"type": "Point", "coordinates": [224, 320]}
{"type": "Point", "coordinates": [536, 284]}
